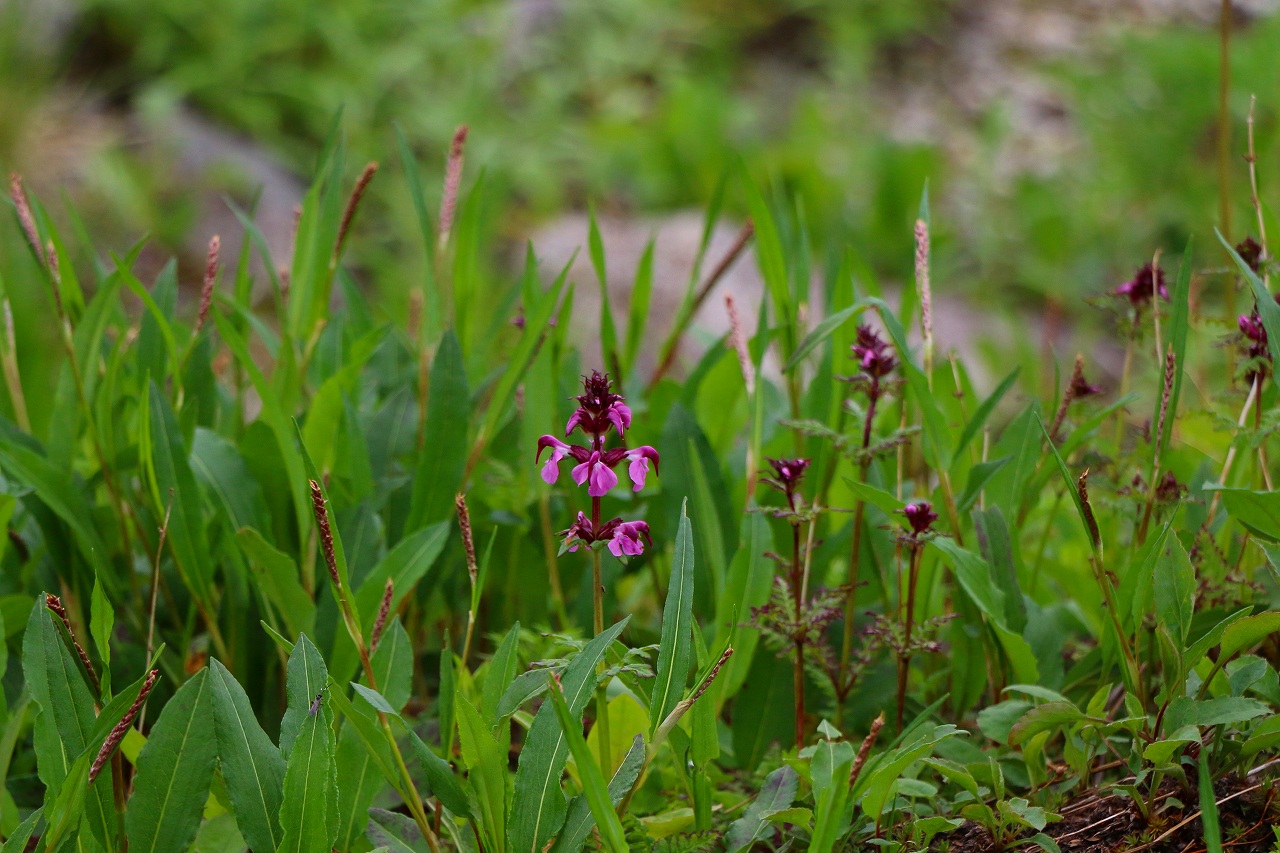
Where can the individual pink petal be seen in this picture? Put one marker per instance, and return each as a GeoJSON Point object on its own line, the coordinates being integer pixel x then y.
{"type": "Point", "coordinates": [620, 416]}
{"type": "Point", "coordinates": [639, 469]}
{"type": "Point", "coordinates": [574, 420]}
{"type": "Point", "coordinates": [551, 470]}
{"type": "Point", "coordinates": [581, 471]}
{"type": "Point", "coordinates": [602, 479]}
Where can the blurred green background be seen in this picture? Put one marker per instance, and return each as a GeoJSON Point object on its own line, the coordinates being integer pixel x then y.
{"type": "Point", "coordinates": [1062, 142]}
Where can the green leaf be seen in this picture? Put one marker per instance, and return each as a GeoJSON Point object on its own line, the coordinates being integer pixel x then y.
{"type": "Point", "coordinates": [397, 832]}
{"type": "Point", "coordinates": [820, 333]}
{"type": "Point", "coordinates": [763, 711]}
{"type": "Point", "coordinates": [175, 769]}
{"type": "Point", "coordinates": [102, 619]}
{"type": "Point", "coordinates": [486, 771]}
{"type": "Point", "coordinates": [62, 727]}
{"type": "Point", "coordinates": [309, 813]}
{"type": "Point", "coordinates": [1086, 519]}
{"type": "Point", "coordinates": [770, 259]}
{"type": "Point", "coordinates": [17, 842]}
{"type": "Point", "coordinates": [877, 782]}
{"type": "Point", "coordinates": [675, 649]}
{"type": "Point", "coordinates": [777, 792]}
{"type": "Point", "coordinates": [975, 577]}
{"type": "Point", "coordinates": [251, 765]}
{"type": "Point", "coordinates": [979, 476]}
{"type": "Point", "coordinates": [1221, 711]}
{"type": "Point", "coordinates": [608, 330]}
{"type": "Point", "coordinates": [276, 576]}
{"type": "Point", "coordinates": [1258, 512]}
{"type": "Point", "coordinates": [747, 585]}
{"type": "Point", "coordinates": [877, 497]}
{"type": "Point", "coordinates": [984, 411]}
{"type": "Point", "coordinates": [501, 672]}
{"type": "Point", "coordinates": [1045, 718]}
{"type": "Point", "coordinates": [1175, 587]}
{"type": "Point", "coordinates": [1247, 633]}
{"type": "Point", "coordinates": [593, 786]}
{"type": "Point", "coordinates": [1208, 806]}
{"type": "Point", "coordinates": [580, 820]}
{"type": "Point", "coordinates": [406, 565]}
{"type": "Point", "coordinates": [539, 808]}
{"type": "Point", "coordinates": [443, 456]}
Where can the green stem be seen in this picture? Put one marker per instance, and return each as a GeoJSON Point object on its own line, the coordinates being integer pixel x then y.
{"type": "Point", "coordinates": [597, 625]}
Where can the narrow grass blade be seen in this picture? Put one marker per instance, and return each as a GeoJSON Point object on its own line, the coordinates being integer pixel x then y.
{"type": "Point", "coordinates": [443, 456]}
{"type": "Point", "coordinates": [675, 649]}
{"type": "Point", "coordinates": [580, 819]}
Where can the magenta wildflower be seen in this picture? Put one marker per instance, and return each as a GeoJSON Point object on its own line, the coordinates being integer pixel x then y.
{"type": "Point", "coordinates": [787, 474]}
{"type": "Point", "coordinates": [1147, 282]}
{"type": "Point", "coordinates": [874, 355]}
{"type": "Point", "coordinates": [626, 538]}
{"type": "Point", "coordinates": [920, 516]}
{"type": "Point", "coordinates": [600, 411]}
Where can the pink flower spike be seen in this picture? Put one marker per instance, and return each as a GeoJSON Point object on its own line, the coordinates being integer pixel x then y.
{"type": "Point", "coordinates": [620, 416]}
{"type": "Point", "coordinates": [639, 468]}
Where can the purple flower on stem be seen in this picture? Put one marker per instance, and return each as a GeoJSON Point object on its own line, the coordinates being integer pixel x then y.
{"type": "Point", "coordinates": [596, 474]}
{"type": "Point", "coordinates": [787, 474]}
{"type": "Point", "coordinates": [638, 470]}
{"type": "Point", "coordinates": [623, 538]}
{"type": "Point", "coordinates": [1147, 282]}
{"type": "Point", "coordinates": [626, 538]}
{"type": "Point", "coordinates": [873, 354]}
{"type": "Point", "coordinates": [559, 450]}
{"type": "Point", "coordinates": [599, 408]}
{"type": "Point", "coordinates": [920, 516]}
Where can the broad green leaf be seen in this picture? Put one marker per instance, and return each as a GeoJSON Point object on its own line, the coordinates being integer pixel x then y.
{"type": "Point", "coordinates": [1175, 587]}
{"type": "Point", "coordinates": [175, 769]}
{"type": "Point", "coordinates": [250, 763]}
{"type": "Point", "coordinates": [1223, 710]}
{"type": "Point", "coordinates": [539, 808]}
{"type": "Point", "coordinates": [443, 455]}
{"type": "Point", "coordinates": [777, 792]}
{"type": "Point", "coordinates": [1208, 806]}
{"type": "Point", "coordinates": [975, 577]}
{"type": "Point", "coordinates": [1259, 512]}
{"type": "Point", "coordinates": [405, 565]}
{"type": "Point", "coordinates": [1044, 718]}
{"type": "Point", "coordinates": [487, 772]}
{"type": "Point", "coordinates": [397, 832]}
{"type": "Point", "coordinates": [308, 815]}
{"type": "Point", "coordinates": [876, 497]}
{"type": "Point", "coordinates": [979, 476]}
{"type": "Point", "coordinates": [1247, 633]}
{"type": "Point", "coordinates": [276, 575]}
{"type": "Point", "coordinates": [675, 649]}
{"type": "Point", "coordinates": [102, 619]}
{"type": "Point", "coordinates": [875, 784]}
{"type": "Point", "coordinates": [17, 842]}
{"type": "Point", "coordinates": [747, 585]}
{"type": "Point", "coordinates": [306, 678]}
{"type": "Point", "coordinates": [62, 726]}
{"type": "Point", "coordinates": [593, 785]}
{"type": "Point", "coordinates": [763, 711]}
{"type": "Point", "coordinates": [580, 820]}
{"type": "Point", "coordinates": [501, 672]}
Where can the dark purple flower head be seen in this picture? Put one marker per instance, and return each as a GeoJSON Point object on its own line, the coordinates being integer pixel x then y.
{"type": "Point", "coordinates": [1146, 282]}
{"type": "Point", "coordinates": [1082, 388]}
{"type": "Point", "coordinates": [1251, 327]}
{"type": "Point", "coordinates": [873, 354]}
{"type": "Point", "coordinates": [920, 516]}
{"type": "Point", "coordinates": [787, 474]}
{"type": "Point", "coordinates": [599, 408]}
{"type": "Point", "coordinates": [1251, 253]}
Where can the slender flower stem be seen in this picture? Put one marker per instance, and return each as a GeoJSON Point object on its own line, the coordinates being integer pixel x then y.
{"type": "Point", "coordinates": [553, 565]}
{"type": "Point", "coordinates": [908, 620]}
{"type": "Point", "coordinates": [597, 628]}
{"type": "Point", "coordinates": [797, 594]}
